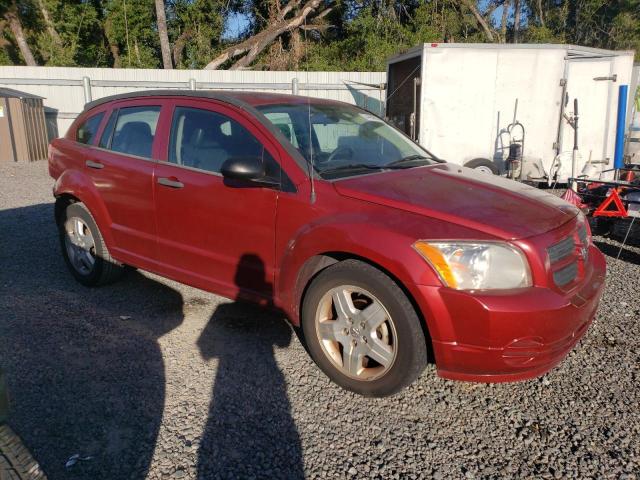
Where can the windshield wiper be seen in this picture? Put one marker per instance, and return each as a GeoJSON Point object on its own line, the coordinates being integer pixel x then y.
{"type": "Point", "coordinates": [402, 163]}
{"type": "Point", "coordinates": [353, 166]}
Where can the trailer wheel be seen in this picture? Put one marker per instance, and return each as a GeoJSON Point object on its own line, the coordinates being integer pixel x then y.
{"type": "Point", "coordinates": [483, 165]}
{"type": "Point", "coordinates": [621, 227]}
{"type": "Point", "coordinates": [599, 225]}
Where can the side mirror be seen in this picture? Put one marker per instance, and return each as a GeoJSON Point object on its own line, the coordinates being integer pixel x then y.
{"type": "Point", "coordinates": [244, 168]}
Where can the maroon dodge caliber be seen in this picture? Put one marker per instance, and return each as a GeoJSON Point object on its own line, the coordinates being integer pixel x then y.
{"type": "Point", "coordinates": [379, 251]}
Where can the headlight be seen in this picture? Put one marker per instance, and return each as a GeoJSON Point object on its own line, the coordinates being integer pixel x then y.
{"type": "Point", "coordinates": [477, 266]}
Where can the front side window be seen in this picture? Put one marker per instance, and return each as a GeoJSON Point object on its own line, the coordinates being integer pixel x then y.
{"type": "Point", "coordinates": [204, 139]}
{"type": "Point", "coordinates": [341, 140]}
{"type": "Point", "coordinates": [134, 131]}
{"type": "Point", "coordinates": [88, 129]}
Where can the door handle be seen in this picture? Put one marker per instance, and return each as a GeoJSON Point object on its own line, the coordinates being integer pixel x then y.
{"type": "Point", "coordinates": [167, 182]}
{"type": "Point", "coordinates": [92, 164]}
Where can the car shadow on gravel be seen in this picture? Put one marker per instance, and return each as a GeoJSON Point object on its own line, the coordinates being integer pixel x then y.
{"type": "Point", "coordinates": [85, 370]}
{"type": "Point", "coordinates": [250, 432]}
{"type": "Point", "coordinates": [612, 250]}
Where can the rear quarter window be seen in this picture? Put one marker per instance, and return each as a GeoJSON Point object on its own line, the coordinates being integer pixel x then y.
{"type": "Point", "coordinates": [87, 130]}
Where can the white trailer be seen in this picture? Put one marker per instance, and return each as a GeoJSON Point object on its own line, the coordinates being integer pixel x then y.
{"type": "Point", "coordinates": [460, 101]}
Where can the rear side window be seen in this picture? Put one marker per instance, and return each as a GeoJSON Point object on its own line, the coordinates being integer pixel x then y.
{"type": "Point", "coordinates": [88, 129]}
{"type": "Point", "coordinates": [134, 131]}
{"type": "Point", "coordinates": [205, 140]}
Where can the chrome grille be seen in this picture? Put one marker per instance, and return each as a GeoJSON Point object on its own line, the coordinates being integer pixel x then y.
{"type": "Point", "coordinates": [561, 250]}
{"type": "Point", "coordinates": [566, 275]}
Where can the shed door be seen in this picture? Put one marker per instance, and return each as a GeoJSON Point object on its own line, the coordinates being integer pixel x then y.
{"type": "Point", "coordinates": [7, 142]}
{"type": "Point", "coordinates": [587, 80]}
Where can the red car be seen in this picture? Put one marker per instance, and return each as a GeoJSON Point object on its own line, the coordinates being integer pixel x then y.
{"type": "Point", "coordinates": [377, 249]}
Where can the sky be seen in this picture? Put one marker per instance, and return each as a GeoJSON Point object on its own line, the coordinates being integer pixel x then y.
{"type": "Point", "coordinates": [235, 25]}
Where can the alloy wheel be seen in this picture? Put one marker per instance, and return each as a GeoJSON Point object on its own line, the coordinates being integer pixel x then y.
{"type": "Point", "coordinates": [356, 332]}
{"type": "Point", "coordinates": [80, 245]}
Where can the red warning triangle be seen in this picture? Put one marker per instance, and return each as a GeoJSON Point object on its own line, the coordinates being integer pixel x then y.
{"type": "Point", "coordinates": [619, 211]}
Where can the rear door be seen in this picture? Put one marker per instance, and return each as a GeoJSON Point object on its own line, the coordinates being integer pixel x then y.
{"type": "Point", "coordinates": [588, 81]}
{"type": "Point", "coordinates": [121, 166]}
{"type": "Point", "coordinates": [403, 95]}
{"type": "Point", "coordinates": [215, 234]}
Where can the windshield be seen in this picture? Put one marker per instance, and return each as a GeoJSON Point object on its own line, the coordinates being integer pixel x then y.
{"type": "Point", "coordinates": [344, 140]}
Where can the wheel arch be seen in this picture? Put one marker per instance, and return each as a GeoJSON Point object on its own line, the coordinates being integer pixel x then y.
{"type": "Point", "coordinates": [62, 202]}
{"type": "Point", "coordinates": [318, 263]}
{"type": "Point", "coordinates": [72, 187]}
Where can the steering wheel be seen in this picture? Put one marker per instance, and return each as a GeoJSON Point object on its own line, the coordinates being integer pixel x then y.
{"type": "Point", "coordinates": [340, 152]}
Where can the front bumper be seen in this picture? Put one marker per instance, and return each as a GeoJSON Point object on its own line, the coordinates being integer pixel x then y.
{"type": "Point", "coordinates": [510, 337]}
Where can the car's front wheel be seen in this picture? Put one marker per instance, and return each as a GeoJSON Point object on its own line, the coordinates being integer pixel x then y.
{"type": "Point", "coordinates": [83, 247]}
{"type": "Point", "coordinates": [362, 330]}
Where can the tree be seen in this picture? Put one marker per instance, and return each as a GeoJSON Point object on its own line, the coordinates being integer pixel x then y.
{"type": "Point", "coordinates": [195, 28]}
{"type": "Point", "coordinates": [292, 34]}
{"type": "Point", "coordinates": [163, 34]}
{"type": "Point", "coordinates": [129, 28]}
{"type": "Point", "coordinates": [482, 21]}
{"type": "Point", "coordinates": [12, 16]}
{"type": "Point", "coordinates": [286, 19]}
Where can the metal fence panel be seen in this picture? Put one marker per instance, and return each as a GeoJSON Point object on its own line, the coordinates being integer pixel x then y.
{"type": "Point", "coordinates": [66, 90]}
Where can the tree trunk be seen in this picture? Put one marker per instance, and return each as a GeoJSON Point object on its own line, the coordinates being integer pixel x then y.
{"type": "Point", "coordinates": [506, 5]}
{"type": "Point", "coordinates": [471, 5]}
{"type": "Point", "coordinates": [178, 46]}
{"type": "Point", "coordinates": [541, 13]}
{"type": "Point", "coordinates": [163, 34]}
{"type": "Point", "coordinates": [115, 52]}
{"type": "Point", "coordinates": [253, 46]}
{"type": "Point", "coordinates": [16, 28]}
{"type": "Point", "coordinates": [49, 23]}
{"type": "Point", "coordinates": [516, 20]}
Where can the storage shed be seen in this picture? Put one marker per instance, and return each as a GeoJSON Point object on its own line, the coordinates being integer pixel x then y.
{"type": "Point", "coordinates": [23, 131]}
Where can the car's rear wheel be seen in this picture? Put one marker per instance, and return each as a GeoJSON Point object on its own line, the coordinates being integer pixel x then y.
{"type": "Point", "coordinates": [83, 248]}
{"type": "Point", "coordinates": [362, 330]}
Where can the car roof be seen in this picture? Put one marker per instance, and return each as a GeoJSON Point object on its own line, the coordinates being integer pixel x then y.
{"type": "Point", "coordinates": [247, 101]}
{"type": "Point", "coordinates": [240, 99]}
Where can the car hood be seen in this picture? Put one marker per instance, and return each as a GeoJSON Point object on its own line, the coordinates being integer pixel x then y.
{"type": "Point", "coordinates": [494, 205]}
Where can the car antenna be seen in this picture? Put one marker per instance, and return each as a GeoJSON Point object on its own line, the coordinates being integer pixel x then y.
{"type": "Point", "coordinates": [312, 169]}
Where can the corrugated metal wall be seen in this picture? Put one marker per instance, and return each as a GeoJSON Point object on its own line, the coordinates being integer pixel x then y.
{"type": "Point", "coordinates": [65, 89]}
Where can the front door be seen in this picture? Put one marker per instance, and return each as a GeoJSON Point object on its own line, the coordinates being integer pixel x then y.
{"type": "Point", "coordinates": [214, 234]}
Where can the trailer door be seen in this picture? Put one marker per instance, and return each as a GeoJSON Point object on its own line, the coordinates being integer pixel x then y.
{"type": "Point", "coordinates": [589, 81]}
{"type": "Point", "coordinates": [403, 95]}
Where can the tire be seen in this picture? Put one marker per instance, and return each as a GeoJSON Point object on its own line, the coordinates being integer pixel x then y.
{"type": "Point", "coordinates": [104, 269]}
{"type": "Point", "coordinates": [400, 331]}
{"type": "Point", "coordinates": [621, 228]}
{"type": "Point", "coordinates": [483, 165]}
{"type": "Point", "coordinates": [16, 463]}
{"type": "Point", "coordinates": [599, 225]}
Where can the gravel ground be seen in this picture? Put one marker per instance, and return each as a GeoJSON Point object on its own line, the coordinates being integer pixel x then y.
{"type": "Point", "coordinates": [151, 378]}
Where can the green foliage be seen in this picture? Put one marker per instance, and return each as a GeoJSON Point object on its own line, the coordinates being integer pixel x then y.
{"type": "Point", "coordinates": [367, 42]}
{"type": "Point", "coordinates": [373, 36]}
{"type": "Point", "coordinates": [197, 25]}
{"type": "Point", "coordinates": [79, 27]}
{"type": "Point", "coordinates": [130, 30]}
